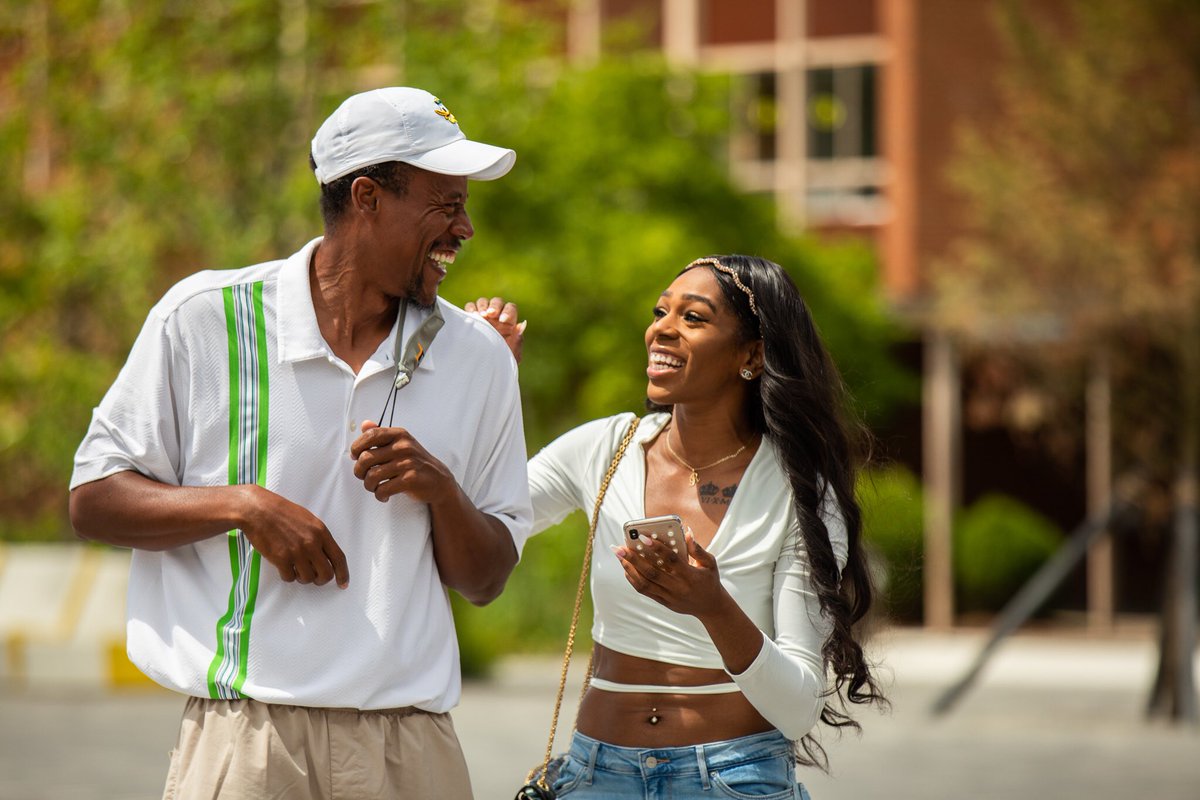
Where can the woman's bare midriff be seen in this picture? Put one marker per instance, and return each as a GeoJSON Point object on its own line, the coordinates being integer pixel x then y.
{"type": "Point", "coordinates": [625, 718]}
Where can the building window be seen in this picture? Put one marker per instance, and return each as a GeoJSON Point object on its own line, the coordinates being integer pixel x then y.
{"type": "Point", "coordinates": [841, 112]}
{"type": "Point", "coordinates": [758, 114]}
{"type": "Point", "coordinates": [843, 174]}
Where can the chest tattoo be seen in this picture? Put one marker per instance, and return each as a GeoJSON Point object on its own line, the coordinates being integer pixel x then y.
{"type": "Point", "coordinates": [711, 494]}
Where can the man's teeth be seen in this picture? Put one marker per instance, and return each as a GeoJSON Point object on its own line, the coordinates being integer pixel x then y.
{"type": "Point", "coordinates": [443, 256]}
{"type": "Point", "coordinates": [664, 360]}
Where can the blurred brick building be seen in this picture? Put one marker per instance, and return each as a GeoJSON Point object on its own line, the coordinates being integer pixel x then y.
{"type": "Point", "coordinates": [844, 109]}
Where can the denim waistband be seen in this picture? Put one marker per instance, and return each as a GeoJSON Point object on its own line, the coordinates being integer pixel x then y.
{"type": "Point", "coordinates": [699, 759]}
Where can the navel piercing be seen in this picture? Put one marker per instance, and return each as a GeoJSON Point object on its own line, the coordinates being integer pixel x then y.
{"type": "Point", "coordinates": [653, 716]}
{"type": "Point", "coordinates": [747, 374]}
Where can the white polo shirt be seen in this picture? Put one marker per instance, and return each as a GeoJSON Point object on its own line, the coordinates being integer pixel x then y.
{"type": "Point", "coordinates": [230, 381]}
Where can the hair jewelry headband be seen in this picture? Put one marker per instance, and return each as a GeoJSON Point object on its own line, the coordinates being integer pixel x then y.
{"type": "Point", "coordinates": [717, 265]}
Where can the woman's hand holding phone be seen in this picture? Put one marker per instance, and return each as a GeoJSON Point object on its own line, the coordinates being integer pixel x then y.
{"type": "Point", "coordinates": [639, 533]}
{"type": "Point", "coordinates": [665, 563]}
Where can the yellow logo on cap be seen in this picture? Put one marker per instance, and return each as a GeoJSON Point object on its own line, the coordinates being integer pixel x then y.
{"type": "Point", "coordinates": [442, 111]}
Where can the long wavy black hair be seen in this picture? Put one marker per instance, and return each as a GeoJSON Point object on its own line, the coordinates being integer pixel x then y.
{"type": "Point", "coordinates": [802, 406]}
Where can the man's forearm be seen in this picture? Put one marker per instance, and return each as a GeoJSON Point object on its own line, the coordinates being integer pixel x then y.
{"type": "Point", "coordinates": [130, 510]}
{"type": "Point", "coordinates": [474, 551]}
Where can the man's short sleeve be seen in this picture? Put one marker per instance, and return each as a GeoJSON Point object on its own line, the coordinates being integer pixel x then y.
{"type": "Point", "coordinates": [135, 427]}
{"type": "Point", "coordinates": [496, 481]}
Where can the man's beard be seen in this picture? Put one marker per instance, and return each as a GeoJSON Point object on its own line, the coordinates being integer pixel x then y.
{"type": "Point", "coordinates": [415, 292]}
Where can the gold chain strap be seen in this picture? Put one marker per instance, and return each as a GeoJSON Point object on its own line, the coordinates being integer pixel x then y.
{"type": "Point", "coordinates": [587, 560]}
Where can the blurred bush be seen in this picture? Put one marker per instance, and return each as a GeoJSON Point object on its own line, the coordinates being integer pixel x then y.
{"type": "Point", "coordinates": [166, 155]}
{"type": "Point", "coordinates": [893, 528]}
{"type": "Point", "coordinates": [999, 543]}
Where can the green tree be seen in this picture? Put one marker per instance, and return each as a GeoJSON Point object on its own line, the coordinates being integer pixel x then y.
{"type": "Point", "coordinates": [1084, 206]}
{"type": "Point", "coordinates": [177, 139]}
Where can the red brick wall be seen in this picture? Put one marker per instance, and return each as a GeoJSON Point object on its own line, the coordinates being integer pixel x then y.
{"type": "Point", "coordinates": [940, 74]}
{"type": "Point", "coordinates": [737, 21]}
{"type": "Point", "coordinates": [841, 17]}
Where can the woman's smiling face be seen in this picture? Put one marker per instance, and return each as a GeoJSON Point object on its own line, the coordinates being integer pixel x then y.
{"type": "Point", "coordinates": [694, 344]}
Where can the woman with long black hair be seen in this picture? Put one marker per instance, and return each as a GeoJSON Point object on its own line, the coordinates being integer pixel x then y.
{"type": "Point", "coordinates": [713, 659]}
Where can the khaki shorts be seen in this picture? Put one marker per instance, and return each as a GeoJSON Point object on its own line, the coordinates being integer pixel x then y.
{"type": "Point", "coordinates": [247, 750]}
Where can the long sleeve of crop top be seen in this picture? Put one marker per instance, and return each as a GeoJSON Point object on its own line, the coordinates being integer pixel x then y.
{"type": "Point", "coordinates": [786, 683]}
{"type": "Point", "coordinates": [557, 471]}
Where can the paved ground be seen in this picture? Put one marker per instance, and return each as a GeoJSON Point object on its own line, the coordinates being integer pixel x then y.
{"type": "Point", "coordinates": [1055, 718]}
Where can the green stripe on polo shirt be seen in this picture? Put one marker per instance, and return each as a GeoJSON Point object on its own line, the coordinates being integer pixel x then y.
{"type": "Point", "coordinates": [248, 415]}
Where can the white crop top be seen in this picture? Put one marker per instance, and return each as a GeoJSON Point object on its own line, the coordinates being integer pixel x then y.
{"type": "Point", "coordinates": [757, 546]}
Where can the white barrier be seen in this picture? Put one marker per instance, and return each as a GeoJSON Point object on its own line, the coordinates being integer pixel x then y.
{"type": "Point", "coordinates": [62, 616]}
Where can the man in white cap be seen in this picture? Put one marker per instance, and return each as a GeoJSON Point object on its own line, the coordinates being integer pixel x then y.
{"type": "Point", "coordinates": [302, 471]}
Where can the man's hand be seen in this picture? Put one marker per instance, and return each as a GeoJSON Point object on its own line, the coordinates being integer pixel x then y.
{"type": "Point", "coordinates": [503, 317]}
{"type": "Point", "coordinates": [130, 510]}
{"type": "Point", "coordinates": [473, 551]}
{"type": "Point", "coordinates": [294, 541]}
{"type": "Point", "coordinates": [389, 461]}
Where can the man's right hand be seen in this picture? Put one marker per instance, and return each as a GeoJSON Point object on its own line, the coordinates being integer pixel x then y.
{"type": "Point", "coordinates": [127, 509]}
{"type": "Point", "coordinates": [293, 540]}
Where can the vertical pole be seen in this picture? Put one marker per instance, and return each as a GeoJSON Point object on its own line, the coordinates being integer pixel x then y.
{"type": "Point", "coordinates": [1187, 486]}
{"type": "Point", "coordinates": [942, 444]}
{"type": "Point", "coordinates": [681, 31]}
{"type": "Point", "coordinates": [583, 32]}
{"type": "Point", "coordinates": [1101, 594]}
{"type": "Point", "coordinates": [293, 42]}
{"type": "Point", "coordinates": [791, 130]}
{"type": "Point", "coordinates": [39, 157]}
{"type": "Point", "coordinates": [1187, 530]}
{"type": "Point", "coordinates": [1174, 692]}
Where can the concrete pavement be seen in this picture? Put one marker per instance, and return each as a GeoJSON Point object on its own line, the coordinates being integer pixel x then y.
{"type": "Point", "coordinates": [1055, 716]}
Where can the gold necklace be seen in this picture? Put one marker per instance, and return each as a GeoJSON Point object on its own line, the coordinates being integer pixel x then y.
{"type": "Point", "coordinates": [695, 478]}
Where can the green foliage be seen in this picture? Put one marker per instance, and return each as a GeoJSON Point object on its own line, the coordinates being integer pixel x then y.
{"type": "Point", "coordinates": [892, 503]}
{"type": "Point", "coordinates": [155, 142]}
{"type": "Point", "coordinates": [178, 140]}
{"type": "Point", "coordinates": [619, 183]}
{"type": "Point", "coordinates": [1081, 202]}
{"type": "Point", "coordinates": [1081, 196]}
{"type": "Point", "coordinates": [999, 543]}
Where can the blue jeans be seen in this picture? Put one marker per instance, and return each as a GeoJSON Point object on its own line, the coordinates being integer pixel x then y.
{"type": "Point", "coordinates": [758, 767]}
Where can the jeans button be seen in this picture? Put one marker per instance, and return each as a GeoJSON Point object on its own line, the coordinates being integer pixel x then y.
{"type": "Point", "coordinates": [651, 762]}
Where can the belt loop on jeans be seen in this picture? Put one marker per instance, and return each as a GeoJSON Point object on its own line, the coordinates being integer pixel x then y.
{"type": "Point", "coordinates": [702, 763]}
{"type": "Point", "coordinates": [590, 770]}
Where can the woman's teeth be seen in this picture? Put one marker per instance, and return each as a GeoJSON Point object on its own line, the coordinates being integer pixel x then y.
{"type": "Point", "coordinates": [665, 361]}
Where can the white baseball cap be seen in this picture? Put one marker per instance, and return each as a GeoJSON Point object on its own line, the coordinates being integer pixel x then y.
{"type": "Point", "coordinates": [402, 124]}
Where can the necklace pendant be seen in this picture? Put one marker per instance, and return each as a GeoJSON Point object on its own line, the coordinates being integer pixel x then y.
{"type": "Point", "coordinates": [692, 481]}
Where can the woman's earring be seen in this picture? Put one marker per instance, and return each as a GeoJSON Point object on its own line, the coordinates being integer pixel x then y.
{"type": "Point", "coordinates": [747, 374]}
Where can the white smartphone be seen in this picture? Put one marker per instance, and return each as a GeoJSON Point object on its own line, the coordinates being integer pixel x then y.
{"type": "Point", "coordinates": [668, 529]}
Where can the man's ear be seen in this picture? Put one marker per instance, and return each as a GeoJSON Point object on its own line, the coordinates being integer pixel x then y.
{"type": "Point", "coordinates": [364, 195]}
